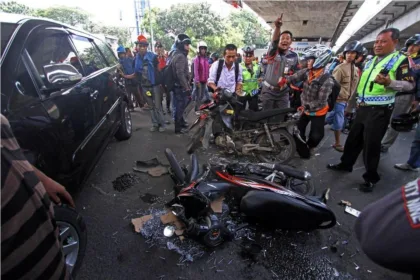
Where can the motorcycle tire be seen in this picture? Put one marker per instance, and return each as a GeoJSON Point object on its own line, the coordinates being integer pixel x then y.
{"type": "Point", "coordinates": [195, 141]}
{"type": "Point", "coordinates": [265, 157]}
{"type": "Point", "coordinates": [73, 235]}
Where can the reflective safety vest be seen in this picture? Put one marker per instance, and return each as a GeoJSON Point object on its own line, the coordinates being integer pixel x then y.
{"type": "Point", "coordinates": [249, 82]}
{"type": "Point", "coordinates": [379, 95]}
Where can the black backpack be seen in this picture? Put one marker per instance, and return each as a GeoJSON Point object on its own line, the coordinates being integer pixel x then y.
{"type": "Point", "coordinates": [220, 68]}
{"type": "Point", "coordinates": [332, 98]}
{"type": "Point", "coordinates": [168, 75]}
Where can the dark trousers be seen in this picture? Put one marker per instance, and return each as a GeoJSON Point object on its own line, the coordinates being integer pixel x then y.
{"type": "Point", "coordinates": [366, 134]}
{"type": "Point", "coordinates": [180, 102]}
{"type": "Point", "coordinates": [252, 101]}
{"type": "Point", "coordinates": [317, 129]}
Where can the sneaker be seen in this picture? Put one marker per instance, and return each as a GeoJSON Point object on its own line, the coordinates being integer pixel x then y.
{"type": "Point", "coordinates": [153, 129]}
{"type": "Point", "coordinates": [161, 129]}
{"type": "Point", "coordinates": [405, 167]}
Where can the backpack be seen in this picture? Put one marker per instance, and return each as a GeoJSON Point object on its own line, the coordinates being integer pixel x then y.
{"type": "Point", "coordinates": [332, 98]}
{"type": "Point", "coordinates": [168, 74]}
{"type": "Point", "coordinates": [220, 68]}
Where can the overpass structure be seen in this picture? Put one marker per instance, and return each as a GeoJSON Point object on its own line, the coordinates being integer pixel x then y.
{"type": "Point", "coordinates": [325, 21]}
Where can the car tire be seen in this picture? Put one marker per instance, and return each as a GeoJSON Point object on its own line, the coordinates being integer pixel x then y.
{"type": "Point", "coordinates": [125, 129]}
{"type": "Point", "coordinates": [72, 229]}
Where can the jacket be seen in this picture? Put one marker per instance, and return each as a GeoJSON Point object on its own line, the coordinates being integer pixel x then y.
{"type": "Point", "coordinates": [201, 69]}
{"type": "Point", "coordinates": [180, 64]}
{"type": "Point", "coordinates": [342, 74]}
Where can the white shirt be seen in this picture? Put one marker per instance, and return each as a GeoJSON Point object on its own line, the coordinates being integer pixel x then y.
{"type": "Point", "coordinates": [227, 77]}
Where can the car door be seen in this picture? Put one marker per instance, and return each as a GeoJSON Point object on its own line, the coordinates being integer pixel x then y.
{"type": "Point", "coordinates": [99, 78]}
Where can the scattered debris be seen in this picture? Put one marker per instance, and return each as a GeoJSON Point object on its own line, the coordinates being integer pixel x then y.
{"type": "Point", "coordinates": [153, 167]}
{"type": "Point", "coordinates": [357, 267]}
{"type": "Point", "coordinates": [274, 274]}
{"type": "Point", "coordinates": [352, 211]}
{"type": "Point", "coordinates": [336, 274]}
{"type": "Point", "coordinates": [344, 203]}
{"type": "Point", "coordinates": [125, 181]}
{"type": "Point", "coordinates": [369, 271]}
{"type": "Point", "coordinates": [341, 255]}
{"type": "Point", "coordinates": [345, 242]}
{"type": "Point", "coordinates": [323, 248]}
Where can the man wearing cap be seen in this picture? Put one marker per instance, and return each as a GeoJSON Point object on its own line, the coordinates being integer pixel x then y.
{"type": "Point", "coordinates": [250, 72]}
{"type": "Point", "coordinates": [145, 67]}
{"type": "Point", "coordinates": [281, 61]}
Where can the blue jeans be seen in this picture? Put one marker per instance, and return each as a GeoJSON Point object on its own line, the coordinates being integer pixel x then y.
{"type": "Point", "coordinates": [414, 160]}
{"type": "Point", "coordinates": [200, 94]}
{"type": "Point", "coordinates": [336, 116]}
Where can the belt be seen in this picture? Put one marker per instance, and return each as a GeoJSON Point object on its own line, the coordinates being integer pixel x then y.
{"type": "Point", "coordinates": [386, 106]}
{"type": "Point", "coordinates": [270, 87]}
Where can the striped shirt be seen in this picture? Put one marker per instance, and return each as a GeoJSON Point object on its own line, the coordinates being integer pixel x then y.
{"type": "Point", "coordinates": [30, 246]}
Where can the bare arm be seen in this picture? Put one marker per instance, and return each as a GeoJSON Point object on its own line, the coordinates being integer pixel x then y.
{"type": "Point", "coordinates": [276, 34]}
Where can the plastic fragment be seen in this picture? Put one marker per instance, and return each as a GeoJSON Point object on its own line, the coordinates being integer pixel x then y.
{"type": "Point", "coordinates": [336, 274]}
{"type": "Point", "coordinates": [357, 267]}
{"type": "Point", "coordinates": [323, 248]}
{"type": "Point", "coordinates": [274, 274]}
{"type": "Point", "coordinates": [369, 271]}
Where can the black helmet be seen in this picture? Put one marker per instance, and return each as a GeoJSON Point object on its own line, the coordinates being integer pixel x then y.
{"type": "Point", "coordinates": [413, 40]}
{"type": "Point", "coordinates": [215, 55]}
{"type": "Point", "coordinates": [354, 46]}
{"type": "Point", "coordinates": [181, 40]}
{"type": "Point", "coordinates": [404, 122]}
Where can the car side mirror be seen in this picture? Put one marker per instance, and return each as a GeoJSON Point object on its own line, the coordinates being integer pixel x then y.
{"type": "Point", "coordinates": [61, 75]}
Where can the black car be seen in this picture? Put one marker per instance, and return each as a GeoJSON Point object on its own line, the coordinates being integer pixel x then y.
{"type": "Point", "coordinates": [62, 95]}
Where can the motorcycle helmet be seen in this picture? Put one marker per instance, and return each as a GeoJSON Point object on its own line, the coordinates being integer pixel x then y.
{"type": "Point", "coordinates": [404, 122]}
{"type": "Point", "coordinates": [215, 56]}
{"type": "Point", "coordinates": [322, 55]}
{"type": "Point", "coordinates": [201, 44]}
{"type": "Point", "coordinates": [354, 46]}
{"type": "Point", "coordinates": [181, 40]}
{"type": "Point", "coordinates": [120, 49]}
{"type": "Point", "coordinates": [413, 40]}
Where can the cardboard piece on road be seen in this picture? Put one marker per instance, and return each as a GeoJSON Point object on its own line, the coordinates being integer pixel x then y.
{"type": "Point", "coordinates": [352, 211]}
{"type": "Point", "coordinates": [138, 223]}
{"type": "Point", "coordinates": [217, 204]}
{"type": "Point", "coordinates": [158, 171]}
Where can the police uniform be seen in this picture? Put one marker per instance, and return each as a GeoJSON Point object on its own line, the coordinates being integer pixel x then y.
{"type": "Point", "coordinates": [278, 65]}
{"type": "Point", "coordinates": [250, 86]}
{"type": "Point", "coordinates": [373, 115]}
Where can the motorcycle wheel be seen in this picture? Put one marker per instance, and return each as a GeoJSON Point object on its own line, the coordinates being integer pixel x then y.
{"type": "Point", "coordinates": [280, 138]}
{"type": "Point", "coordinates": [195, 141]}
{"type": "Point", "coordinates": [73, 235]}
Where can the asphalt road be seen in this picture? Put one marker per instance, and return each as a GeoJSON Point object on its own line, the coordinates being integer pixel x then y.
{"type": "Point", "coordinates": [115, 251]}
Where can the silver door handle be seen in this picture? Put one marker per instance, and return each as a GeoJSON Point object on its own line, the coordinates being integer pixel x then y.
{"type": "Point", "coordinates": [94, 94]}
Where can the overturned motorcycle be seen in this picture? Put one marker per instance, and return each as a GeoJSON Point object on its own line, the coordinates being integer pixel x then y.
{"type": "Point", "coordinates": [270, 135]}
{"type": "Point", "coordinates": [257, 198]}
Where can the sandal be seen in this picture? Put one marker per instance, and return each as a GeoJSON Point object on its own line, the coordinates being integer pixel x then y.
{"type": "Point", "coordinates": [338, 148]}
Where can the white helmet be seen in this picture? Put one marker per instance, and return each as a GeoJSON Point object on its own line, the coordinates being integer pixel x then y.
{"type": "Point", "coordinates": [322, 55]}
{"type": "Point", "coordinates": [201, 44]}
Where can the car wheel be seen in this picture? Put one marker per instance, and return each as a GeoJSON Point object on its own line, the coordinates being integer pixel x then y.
{"type": "Point", "coordinates": [125, 129]}
{"type": "Point", "coordinates": [73, 236]}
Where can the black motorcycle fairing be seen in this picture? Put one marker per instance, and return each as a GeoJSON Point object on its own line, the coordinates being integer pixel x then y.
{"type": "Point", "coordinates": [284, 212]}
{"type": "Point", "coordinates": [193, 170]}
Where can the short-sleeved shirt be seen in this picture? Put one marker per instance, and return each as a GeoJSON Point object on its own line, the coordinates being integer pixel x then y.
{"type": "Point", "coordinates": [227, 77]}
{"type": "Point", "coordinates": [30, 246]}
{"type": "Point", "coordinates": [279, 65]}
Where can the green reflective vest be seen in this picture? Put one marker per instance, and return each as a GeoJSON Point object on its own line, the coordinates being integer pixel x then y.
{"type": "Point", "coordinates": [249, 83]}
{"type": "Point", "coordinates": [379, 95]}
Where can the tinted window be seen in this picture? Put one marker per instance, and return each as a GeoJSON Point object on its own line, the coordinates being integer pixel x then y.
{"type": "Point", "coordinates": [89, 55]}
{"type": "Point", "coordinates": [50, 47]}
{"type": "Point", "coordinates": [24, 90]}
{"type": "Point", "coordinates": [7, 30]}
{"type": "Point", "coordinates": [107, 52]}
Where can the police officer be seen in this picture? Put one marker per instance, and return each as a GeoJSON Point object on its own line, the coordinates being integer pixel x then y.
{"type": "Point", "coordinates": [250, 72]}
{"type": "Point", "coordinates": [281, 61]}
{"type": "Point", "coordinates": [385, 75]}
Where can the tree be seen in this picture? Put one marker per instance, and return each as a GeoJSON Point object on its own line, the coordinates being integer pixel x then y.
{"type": "Point", "coordinates": [122, 34]}
{"type": "Point", "coordinates": [15, 8]}
{"type": "Point", "coordinates": [254, 33]}
{"type": "Point", "coordinates": [73, 16]}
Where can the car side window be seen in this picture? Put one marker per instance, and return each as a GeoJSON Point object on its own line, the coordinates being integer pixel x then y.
{"type": "Point", "coordinates": [24, 90]}
{"type": "Point", "coordinates": [107, 52]}
{"type": "Point", "coordinates": [49, 46]}
{"type": "Point", "coordinates": [89, 55]}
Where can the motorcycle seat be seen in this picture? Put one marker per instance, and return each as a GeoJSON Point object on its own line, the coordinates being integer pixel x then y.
{"type": "Point", "coordinates": [261, 115]}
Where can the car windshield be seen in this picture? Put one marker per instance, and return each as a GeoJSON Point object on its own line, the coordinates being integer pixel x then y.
{"type": "Point", "coordinates": [7, 30]}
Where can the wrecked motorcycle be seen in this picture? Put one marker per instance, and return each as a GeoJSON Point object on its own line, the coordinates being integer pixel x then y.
{"type": "Point", "coordinates": [258, 199]}
{"type": "Point", "coordinates": [269, 135]}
